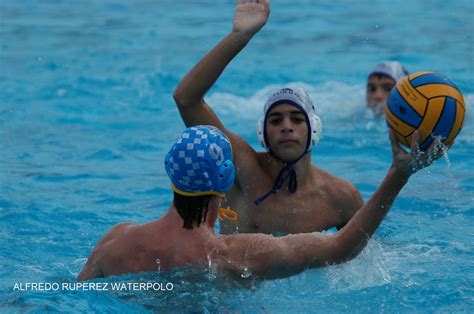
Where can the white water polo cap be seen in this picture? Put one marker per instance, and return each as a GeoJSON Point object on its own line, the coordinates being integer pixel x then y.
{"type": "Point", "coordinates": [299, 98]}
{"type": "Point", "coordinates": [392, 69]}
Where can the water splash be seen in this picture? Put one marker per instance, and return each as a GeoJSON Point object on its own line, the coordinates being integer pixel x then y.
{"type": "Point", "coordinates": [158, 263]}
{"type": "Point", "coordinates": [211, 267]}
{"type": "Point", "coordinates": [446, 156]}
{"type": "Point", "coordinates": [371, 268]}
{"type": "Point", "coordinates": [450, 175]}
{"type": "Point", "coordinates": [327, 94]}
{"type": "Point", "coordinates": [245, 272]}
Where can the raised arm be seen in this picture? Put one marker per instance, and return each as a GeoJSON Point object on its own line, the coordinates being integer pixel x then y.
{"type": "Point", "coordinates": [249, 18]}
{"type": "Point", "coordinates": [270, 257]}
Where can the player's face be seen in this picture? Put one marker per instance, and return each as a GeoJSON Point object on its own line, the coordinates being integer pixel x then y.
{"type": "Point", "coordinates": [287, 132]}
{"type": "Point", "coordinates": [378, 88]}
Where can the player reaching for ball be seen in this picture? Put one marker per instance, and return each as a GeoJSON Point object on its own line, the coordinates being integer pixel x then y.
{"type": "Point", "coordinates": [277, 191]}
{"type": "Point", "coordinates": [185, 234]}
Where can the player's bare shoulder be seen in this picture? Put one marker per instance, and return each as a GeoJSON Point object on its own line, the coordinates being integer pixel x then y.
{"type": "Point", "coordinates": [333, 183]}
{"type": "Point", "coordinates": [104, 254]}
{"type": "Point", "coordinates": [113, 243]}
{"type": "Point", "coordinates": [341, 193]}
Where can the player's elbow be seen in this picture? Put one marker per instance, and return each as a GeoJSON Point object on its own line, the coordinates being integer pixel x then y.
{"type": "Point", "coordinates": [346, 250]}
{"type": "Point", "coordinates": [178, 97]}
{"type": "Point", "coordinates": [183, 99]}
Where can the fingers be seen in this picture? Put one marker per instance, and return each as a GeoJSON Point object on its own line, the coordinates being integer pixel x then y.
{"type": "Point", "coordinates": [393, 139]}
{"type": "Point", "coordinates": [436, 149]}
{"type": "Point", "coordinates": [434, 144]}
{"type": "Point", "coordinates": [266, 4]}
{"type": "Point", "coordinates": [434, 152]}
{"type": "Point", "coordinates": [396, 147]}
{"type": "Point", "coordinates": [415, 144]}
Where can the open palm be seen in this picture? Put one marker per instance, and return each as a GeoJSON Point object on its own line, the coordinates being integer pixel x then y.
{"type": "Point", "coordinates": [409, 163]}
{"type": "Point", "coordinates": [250, 16]}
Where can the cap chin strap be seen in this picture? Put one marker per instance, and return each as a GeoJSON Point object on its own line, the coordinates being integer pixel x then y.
{"type": "Point", "coordinates": [287, 172]}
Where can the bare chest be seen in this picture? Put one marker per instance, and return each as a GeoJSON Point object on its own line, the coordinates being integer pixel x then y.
{"type": "Point", "coordinates": [285, 212]}
{"type": "Point", "coordinates": [293, 215]}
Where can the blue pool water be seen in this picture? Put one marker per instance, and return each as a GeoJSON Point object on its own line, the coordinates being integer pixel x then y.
{"type": "Point", "coordinates": [86, 116]}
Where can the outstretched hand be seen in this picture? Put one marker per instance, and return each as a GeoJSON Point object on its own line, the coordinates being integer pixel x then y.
{"type": "Point", "coordinates": [250, 16]}
{"type": "Point", "coordinates": [406, 163]}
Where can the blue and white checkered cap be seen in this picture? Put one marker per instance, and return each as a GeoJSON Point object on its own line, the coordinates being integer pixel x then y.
{"type": "Point", "coordinates": [200, 162]}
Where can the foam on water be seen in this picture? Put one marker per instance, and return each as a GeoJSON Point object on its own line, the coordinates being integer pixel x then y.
{"type": "Point", "coordinates": [333, 99]}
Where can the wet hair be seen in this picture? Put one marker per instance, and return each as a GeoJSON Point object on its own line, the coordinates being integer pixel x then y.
{"type": "Point", "coordinates": [193, 209]}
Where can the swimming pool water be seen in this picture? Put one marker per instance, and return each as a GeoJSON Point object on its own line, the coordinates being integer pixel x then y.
{"type": "Point", "coordinates": [86, 116]}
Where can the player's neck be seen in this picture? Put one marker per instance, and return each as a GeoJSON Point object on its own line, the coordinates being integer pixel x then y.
{"type": "Point", "coordinates": [302, 167]}
{"type": "Point", "coordinates": [173, 219]}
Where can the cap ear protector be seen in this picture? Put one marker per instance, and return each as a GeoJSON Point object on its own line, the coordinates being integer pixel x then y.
{"type": "Point", "coordinates": [225, 176]}
{"type": "Point", "coordinates": [260, 128]}
{"type": "Point", "coordinates": [303, 103]}
{"type": "Point", "coordinates": [316, 130]}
